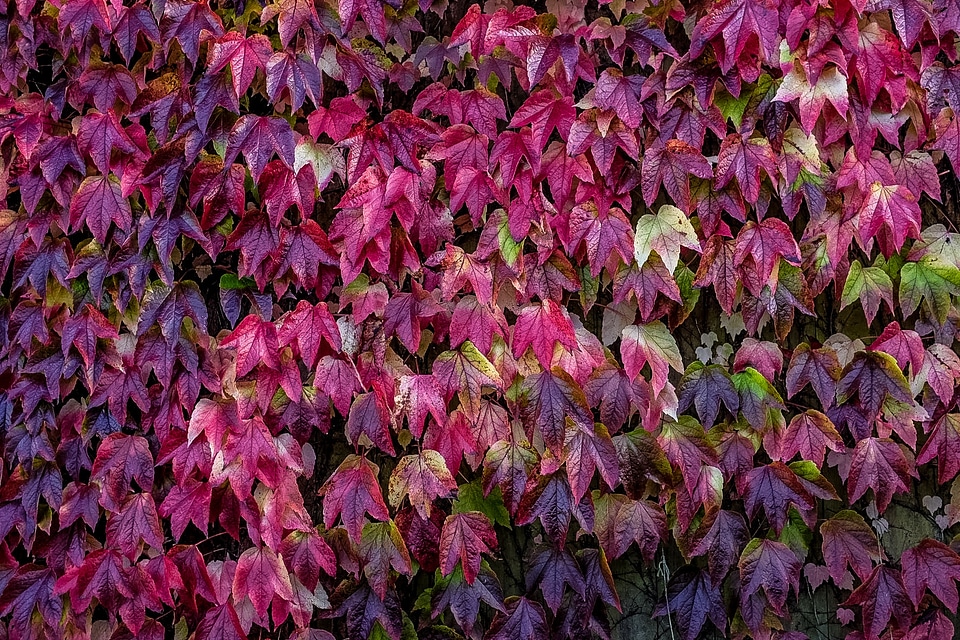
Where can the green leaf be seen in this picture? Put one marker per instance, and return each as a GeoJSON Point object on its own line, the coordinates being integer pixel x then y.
{"type": "Point", "coordinates": [470, 498]}
{"type": "Point", "coordinates": [934, 281]}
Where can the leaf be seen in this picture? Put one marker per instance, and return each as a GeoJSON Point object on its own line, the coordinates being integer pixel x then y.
{"type": "Point", "coordinates": [943, 444]}
{"type": "Point", "coordinates": [879, 464]}
{"type": "Point", "coordinates": [819, 368]}
{"type": "Point", "coordinates": [932, 280]}
{"type": "Point", "coordinates": [691, 598]}
{"type": "Point", "coordinates": [870, 285]}
{"type": "Point", "coordinates": [882, 597]}
{"type": "Point", "coordinates": [121, 459]}
{"type": "Point", "coordinates": [463, 599]}
{"type": "Point", "coordinates": [465, 536]}
{"type": "Point", "coordinates": [465, 371]}
{"type": "Point", "coordinates": [99, 203]}
{"type": "Point", "coordinates": [931, 565]}
{"type": "Point", "coordinates": [423, 478]}
{"type": "Point", "coordinates": [810, 434]}
{"type": "Point", "coordinates": [352, 492]}
{"type": "Point", "coordinates": [686, 446]}
{"type": "Point", "coordinates": [586, 451]}
{"type": "Point", "coordinates": [772, 567]}
{"type": "Point", "coordinates": [664, 233]}
{"type": "Point", "coordinates": [830, 85]}
{"type": "Point", "coordinates": [382, 547]}
{"type": "Point", "coordinates": [522, 618]}
{"type": "Point", "coordinates": [723, 542]}
{"type": "Point", "coordinates": [554, 569]}
{"type": "Point", "coordinates": [776, 488]}
{"type": "Point", "coordinates": [258, 138]}
{"type": "Point", "coordinates": [256, 342]}
{"type": "Point", "coordinates": [743, 158]}
{"type": "Point", "coordinates": [848, 541]}
{"type": "Point", "coordinates": [873, 376]}
{"type": "Point", "coordinates": [553, 397]}
{"type": "Point", "coordinates": [705, 387]}
{"type": "Point", "coordinates": [542, 327]}
{"type": "Point", "coordinates": [650, 344]}
{"type": "Point", "coordinates": [671, 164]}
{"type": "Point", "coordinates": [261, 575]}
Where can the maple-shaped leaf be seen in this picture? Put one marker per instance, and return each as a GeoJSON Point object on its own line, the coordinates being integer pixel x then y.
{"type": "Point", "coordinates": [759, 249]}
{"type": "Point", "coordinates": [365, 612]}
{"type": "Point", "coordinates": [932, 625]}
{"type": "Point", "coordinates": [542, 327]}
{"type": "Point", "coordinates": [259, 137]}
{"type": "Point", "coordinates": [352, 492]}
{"type": "Point", "coordinates": [943, 445]}
{"type": "Point", "coordinates": [691, 599]}
{"type": "Point", "coordinates": [931, 565]}
{"type": "Point", "coordinates": [882, 597]}
{"type": "Point", "coordinates": [848, 541]}
{"type": "Point", "coordinates": [549, 498]}
{"type": "Point", "coordinates": [260, 575]}
{"type": "Point", "coordinates": [419, 396]}
{"type": "Point", "coordinates": [686, 446]}
{"type": "Point", "coordinates": [705, 387]}
{"type": "Point", "coordinates": [292, 15]}
{"type": "Point", "coordinates": [553, 396]}
{"type": "Point", "coordinates": [586, 451]}
{"type": "Point", "coordinates": [603, 234]}
{"type": "Point", "coordinates": [870, 285]}
{"type": "Point", "coordinates": [872, 376]}
{"type": "Point", "coordinates": [742, 158]}
{"type": "Point", "coordinates": [465, 536]}
{"type": "Point", "coordinates": [187, 502]}
{"type": "Point", "coordinates": [522, 618]}
{"type": "Point", "coordinates": [382, 547]}
{"type": "Point", "coordinates": [120, 460]}
{"type": "Point", "coordinates": [423, 478]}
{"type": "Point", "coordinates": [810, 434]}
{"type": "Point", "coordinates": [671, 164]}
{"type": "Point", "coordinates": [725, 538]}
{"type": "Point", "coordinates": [99, 203]}
{"type": "Point", "coordinates": [370, 418]}
{"type": "Point", "coordinates": [545, 111]}
{"type": "Point", "coordinates": [772, 567]}
{"type": "Point", "coordinates": [717, 267]}
{"type": "Point", "coordinates": [882, 465]}
{"type": "Point", "coordinates": [819, 368]}
{"type": "Point", "coordinates": [892, 209]}
{"type": "Point", "coordinates": [664, 233]}
{"type": "Point", "coordinates": [460, 268]}
{"type": "Point", "coordinates": [465, 372]}
{"type": "Point", "coordinates": [554, 569]}
{"type": "Point", "coordinates": [244, 54]}
{"type": "Point", "coordinates": [830, 85]}
{"type": "Point", "coordinates": [256, 343]}
{"type": "Point", "coordinates": [651, 344]}
{"type": "Point", "coordinates": [463, 599]}
{"type": "Point", "coordinates": [508, 465]}
{"type": "Point", "coordinates": [732, 26]}
{"type": "Point", "coordinates": [621, 521]}
{"type": "Point", "coordinates": [776, 488]}
{"type": "Point", "coordinates": [932, 280]}
{"type": "Point", "coordinates": [133, 524]}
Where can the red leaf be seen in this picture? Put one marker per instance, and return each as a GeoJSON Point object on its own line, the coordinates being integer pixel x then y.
{"type": "Point", "coordinates": [261, 575]}
{"type": "Point", "coordinates": [881, 598]}
{"type": "Point", "coordinates": [931, 565]}
{"type": "Point", "coordinates": [351, 492]}
{"type": "Point", "coordinates": [464, 538]}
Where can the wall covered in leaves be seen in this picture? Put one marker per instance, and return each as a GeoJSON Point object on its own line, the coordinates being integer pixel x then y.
{"type": "Point", "coordinates": [414, 319]}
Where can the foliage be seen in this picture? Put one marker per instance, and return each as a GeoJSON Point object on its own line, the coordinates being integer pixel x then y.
{"type": "Point", "coordinates": [402, 318]}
